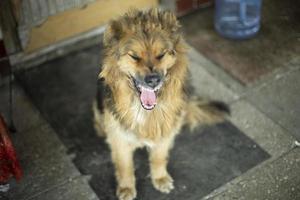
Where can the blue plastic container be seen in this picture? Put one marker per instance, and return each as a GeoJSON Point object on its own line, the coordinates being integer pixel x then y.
{"type": "Point", "coordinates": [237, 19]}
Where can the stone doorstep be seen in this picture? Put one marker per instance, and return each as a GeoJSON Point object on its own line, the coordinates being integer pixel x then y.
{"type": "Point", "coordinates": [76, 188]}
{"type": "Point", "coordinates": [22, 108]}
{"type": "Point", "coordinates": [42, 151]}
{"type": "Point", "coordinates": [215, 71]}
{"type": "Point", "coordinates": [279, 144]}
{"type": "Point", "coordinates": [208, 82]}
{"type": "Point", "coordinates": [279, 99]}
{"type": "Point", "coordinates": [274, 179]}
{"type": "Point", "coordinates": [256, 125]}
{"type": "Point", "coordinates": [261, 129]}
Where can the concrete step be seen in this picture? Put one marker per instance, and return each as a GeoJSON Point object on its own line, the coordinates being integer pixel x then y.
{"type": "Point", "coordinates": [49, 172]}
{"type": "Point", "coordinates": [275, 179]}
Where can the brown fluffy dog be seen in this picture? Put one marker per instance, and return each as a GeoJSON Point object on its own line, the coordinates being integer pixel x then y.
{"type": "Point", "coordinates": [144, 97]}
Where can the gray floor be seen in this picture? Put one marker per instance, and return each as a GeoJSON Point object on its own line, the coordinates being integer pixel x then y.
{"type": "Point", "coordinates": [200, 162]}
{"type": "Point", "coordinates": [283, 108]}
{"type": "Point", "coordinates": [49, 172]}
{"type": "Point", "coordinates": [275, 46]}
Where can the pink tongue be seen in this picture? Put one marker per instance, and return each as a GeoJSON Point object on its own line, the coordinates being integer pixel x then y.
{"type": "Point", "coordinates": [148, 97]}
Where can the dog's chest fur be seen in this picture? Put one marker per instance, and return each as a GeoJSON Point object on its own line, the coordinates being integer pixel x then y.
{"type": "Point", "coordinates": [139, 114]}
{"type": "Point", "coordinates": [152, 124]}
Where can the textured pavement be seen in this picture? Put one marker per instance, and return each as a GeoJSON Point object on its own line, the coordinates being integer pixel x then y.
{"type": "Point", "coordinates": [284, 107]}
{"type": "Point", "coordinates": [227, 158]}
{"type": "Point", "coordinates": [200, 161]}
{"type": "Point", "coordinates": [48, 170]}
{"type": "Point", "coordinates": [276, 180]}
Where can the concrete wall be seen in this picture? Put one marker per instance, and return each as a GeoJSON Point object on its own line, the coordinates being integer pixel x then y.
{"type": "Point", "coordinates": [45, 22]}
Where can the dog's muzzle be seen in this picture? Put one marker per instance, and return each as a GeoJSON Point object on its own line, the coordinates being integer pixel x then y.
{"type": "Point", "coordinates": [148, 89]}
{"type": "Point", "coordinates": [153, 80]}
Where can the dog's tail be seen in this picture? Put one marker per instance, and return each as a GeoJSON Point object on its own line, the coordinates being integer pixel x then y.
{"type": "Point", "coordinates": [201, 111]}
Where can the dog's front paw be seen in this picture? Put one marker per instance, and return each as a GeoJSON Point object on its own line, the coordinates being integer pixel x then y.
{"type": "Point", "coordinates": [126, 193]}
{"type": "Point", "coordinates": [164, 184]}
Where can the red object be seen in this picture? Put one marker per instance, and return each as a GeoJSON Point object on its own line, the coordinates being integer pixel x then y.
{"type": "Point", "coordinates": [4, 63]}
{"type": "Point", "coordinates": [186, 6]}
{"type": "Point", "coordinates": [2, 49]}
{"type": "Point", "coordinates": [9, 165]}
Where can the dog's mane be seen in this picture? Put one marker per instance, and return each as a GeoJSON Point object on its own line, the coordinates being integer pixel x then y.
{"type": "Point", "coordinates": [151, 19]}
{"type": "Point", "coordinates": [161, 120]}
{"type": "Point", "coordinates": [143, 22]}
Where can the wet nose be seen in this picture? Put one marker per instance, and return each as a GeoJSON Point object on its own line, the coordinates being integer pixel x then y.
{"type": "Point", "coordinates": [152, 80]}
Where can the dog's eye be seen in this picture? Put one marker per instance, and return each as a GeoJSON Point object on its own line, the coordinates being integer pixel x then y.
{"type": "Point", "coordinates": [159, 57]}
{"type": "Point", "coordinates": [136, 58]}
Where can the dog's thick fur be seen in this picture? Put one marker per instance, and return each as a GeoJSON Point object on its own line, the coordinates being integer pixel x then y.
{"type": "Point", "coordinates": [137, 44]}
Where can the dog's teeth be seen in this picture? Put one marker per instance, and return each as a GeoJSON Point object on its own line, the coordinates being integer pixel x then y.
{"type": "Point", "coordinates": [148, 89]}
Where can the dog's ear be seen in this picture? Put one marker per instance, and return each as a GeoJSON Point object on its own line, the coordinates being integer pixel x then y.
{"type": "Point", "coordinates": [170, 22]}
{"type": "Point", "coordinates": [113, 33]}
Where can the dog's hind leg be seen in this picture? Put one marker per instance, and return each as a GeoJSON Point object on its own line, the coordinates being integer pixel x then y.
{"type": "Point", "coordinates": [159, 153]}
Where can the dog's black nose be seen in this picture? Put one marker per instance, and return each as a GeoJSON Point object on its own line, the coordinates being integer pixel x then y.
{"type": "Point", "coordinates": [152, 80]}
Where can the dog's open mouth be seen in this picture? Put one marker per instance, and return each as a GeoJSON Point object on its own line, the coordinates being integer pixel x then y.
{"type": "Point", "coordinates": [148, 96]}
